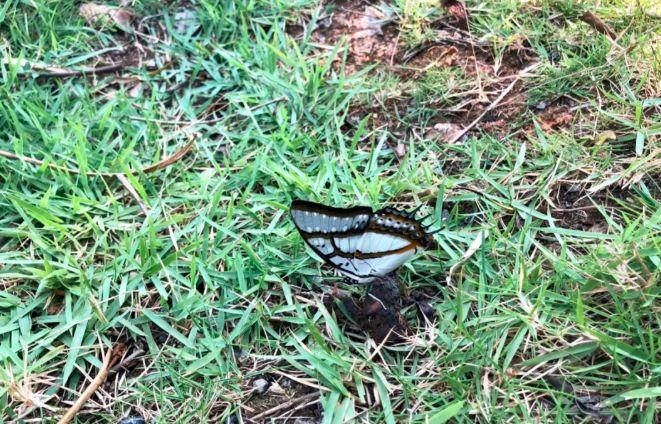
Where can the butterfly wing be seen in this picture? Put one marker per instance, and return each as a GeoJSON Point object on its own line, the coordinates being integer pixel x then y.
{"type": "Point", "coordinates": [320, 224]}
{"type": "Point", "coordinates": [359, 243]}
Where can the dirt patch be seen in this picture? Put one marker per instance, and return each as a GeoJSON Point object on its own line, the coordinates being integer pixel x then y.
{"type": "Point", "coordinates": [378, 314]}
{"type": "Point", "coordinates": [575, 207]}
{"type": "Point", "coordinates": [480, 74]}
{"type": "Point", "coordinates": [369, 32]}
{"type": "Point", "coordinates": [489, 75]}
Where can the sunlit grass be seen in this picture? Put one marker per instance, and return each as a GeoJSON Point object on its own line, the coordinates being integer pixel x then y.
{"type": "Point", "coordinates": [212, 288]}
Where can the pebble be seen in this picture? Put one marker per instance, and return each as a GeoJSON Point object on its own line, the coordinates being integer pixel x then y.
{"type": "Point", "coordinates": [260, 386]}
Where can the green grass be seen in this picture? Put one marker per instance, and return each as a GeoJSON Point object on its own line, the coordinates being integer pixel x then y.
{"type": "Point", "coordinates": [213, 287]}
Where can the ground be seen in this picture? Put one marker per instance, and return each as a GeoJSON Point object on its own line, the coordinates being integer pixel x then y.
{"type": "Point", "coordinates": [149, 152]}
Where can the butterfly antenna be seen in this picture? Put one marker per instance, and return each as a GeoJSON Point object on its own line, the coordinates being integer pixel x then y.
{"type": "Point", "coordinates": [435, 231]}
{"type": "Point", "coordinates": [414, 211]}
{"type": "Point", "coordinates": [424, 217]}
{"type": "Point", "coordinates": [429, 225]}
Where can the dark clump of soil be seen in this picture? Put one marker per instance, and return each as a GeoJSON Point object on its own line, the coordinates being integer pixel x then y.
{"type": "Point", "coordinates": [378, 313]}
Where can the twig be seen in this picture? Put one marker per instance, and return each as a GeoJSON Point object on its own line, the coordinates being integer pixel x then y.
{"type": "Point", "coordinates": [96, 383]}
{"type": "Point", "coordinates": [286, 405]}
{"type": "Point", "coordinates": [170, 159]}
{"type": "Point", "coordinates": [151, 168]}
{"type": "Point", "coordinates": [595, 22]}
{"type": "Point", "coordinates": [493, 104]}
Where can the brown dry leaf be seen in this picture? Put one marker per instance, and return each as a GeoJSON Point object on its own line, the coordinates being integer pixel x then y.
{"type": "Point", "coordinates": [458, 11]}
{"type": "Point", "coordinates": [99, 14]}
{"type": "Point", "coordinates": [555, 120]}
{"type": "Point", "coordinates": [443, 131]}
{"type": "Point", "coordinates": [448, 57]}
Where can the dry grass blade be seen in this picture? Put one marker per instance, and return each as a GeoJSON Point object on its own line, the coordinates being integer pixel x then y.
{"type": "Point", "coordinates": [100, 70]}
{"type": "Point", "coordinates": [89, 391]}
{"type": "Point", "coordinates": [170, 159]}
{"type": "Point", "coordinates": [127, 184]}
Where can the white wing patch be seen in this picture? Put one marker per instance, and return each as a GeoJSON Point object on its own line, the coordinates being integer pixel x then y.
{"type": "Point", "coordinates": [365, 268]}
{"type": "Point", "coordinates": [372, 242]}
{"type": "Point", "coordinates": [348, 244]}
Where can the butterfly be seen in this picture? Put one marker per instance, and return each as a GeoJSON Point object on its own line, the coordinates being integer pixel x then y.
{"type": "Point", "coordinates": [360, 243]}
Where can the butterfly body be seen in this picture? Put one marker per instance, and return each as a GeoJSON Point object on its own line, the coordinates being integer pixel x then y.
{"type": "Point", "coordinates": [358, 242]}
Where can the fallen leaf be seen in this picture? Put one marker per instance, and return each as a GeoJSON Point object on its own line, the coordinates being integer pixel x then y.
{"type": "Point", "coordinates": [99, 14]}
{"type": "Point", "coordinates": [603, 137]}
{"type": "Point", "coordinates": [556, 119]}
{"type": "Point", "coordinates": [443, 131]}
{"type": "Point", "coordinates": [276, 389]}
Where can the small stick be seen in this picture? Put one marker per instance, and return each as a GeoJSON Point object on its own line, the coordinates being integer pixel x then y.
{"type": "Point", "coordinates": [493, 104]}
{"type": "Point", "coordinates": [84, 397]}
{"type": "Point", "coordinates": [595, 22]}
